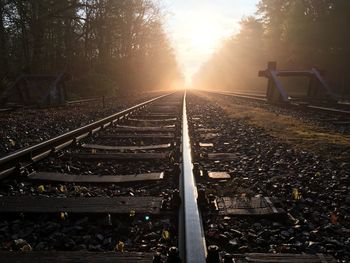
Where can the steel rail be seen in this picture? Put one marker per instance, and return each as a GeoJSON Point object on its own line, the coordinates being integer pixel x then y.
{"type": "Point", "coordinates": [72, 102]}
{"type": "Point", "coordinates": [246, 96]}
{"type": "Point", "coordinates": [250, 94]}
{"type": "Point", "coordinates": [326, 109]}
{"type": "Point", "coordinates": [24, 157]}
{"type": "Point", "coordinates": [239, 95]}
{"type": "Point", "coordinates": [193, 248]}
{"type": "Point", "coordinates": [262, 99]}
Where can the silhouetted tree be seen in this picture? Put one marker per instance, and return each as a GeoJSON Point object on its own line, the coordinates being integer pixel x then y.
{"type": "Point", "coordinates": [105, 44]}
{"type": "Point", "coordinates": [296, 33]}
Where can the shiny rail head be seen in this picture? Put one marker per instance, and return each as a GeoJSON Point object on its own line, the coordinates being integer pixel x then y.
{"type": "Point", "coordinates": [194, 241]}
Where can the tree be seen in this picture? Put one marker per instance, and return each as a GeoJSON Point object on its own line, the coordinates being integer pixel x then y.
{"type": "Point", "coordinates": [117, 42]}
{"type": "Point", "coordinates": [296, 33]}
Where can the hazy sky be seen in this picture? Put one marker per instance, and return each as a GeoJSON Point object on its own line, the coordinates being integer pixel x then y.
{"type": "Point", "coordinates": [196, 27]}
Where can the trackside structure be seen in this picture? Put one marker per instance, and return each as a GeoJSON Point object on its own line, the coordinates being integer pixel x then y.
{"type": "Point", "coordinates": [40, 90]}
{"type": "Point", "coordinates": [318, 89]}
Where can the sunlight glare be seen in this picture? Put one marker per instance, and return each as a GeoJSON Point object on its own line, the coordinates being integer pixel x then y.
{"type": "Point", "coordinates": [197, 38]}
{"type": "Point", "coordinates": [204, 33]}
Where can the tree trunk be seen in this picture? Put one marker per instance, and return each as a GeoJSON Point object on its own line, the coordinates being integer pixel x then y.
{"type": "Point", "coordinates": [3, 44]}
{"type": "Point", "coordinates": [37, 32]}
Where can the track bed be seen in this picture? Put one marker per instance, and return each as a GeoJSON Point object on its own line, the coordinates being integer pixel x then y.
{"type": "Point", "coordinates": [261, 196]}
{"type": "Point", "coordinates": [113, 199]}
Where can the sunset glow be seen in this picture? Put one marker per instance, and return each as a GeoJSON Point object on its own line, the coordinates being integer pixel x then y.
{"type": "Point", "coordinates": [197, 28]}
{"type": "Point", "coordinates": [204, 35]}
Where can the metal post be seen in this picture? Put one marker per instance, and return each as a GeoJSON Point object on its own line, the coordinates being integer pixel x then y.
{"type": "Point", "coordinates": [271, 65]}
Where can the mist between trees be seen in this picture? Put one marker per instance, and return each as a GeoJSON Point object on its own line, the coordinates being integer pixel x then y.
{"type": "Point", "coordinates": [108, 46]}
{"type": "Point", "coordinates": [298, 34]}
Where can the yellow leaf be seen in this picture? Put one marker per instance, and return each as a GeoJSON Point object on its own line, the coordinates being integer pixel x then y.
{"type": "Point", "coordinates": [165, 234]}
{"type": "Point", "coordinates": [63, 215]}
{"type": "Point", "coordinates": [120, 246]}
{"type": "Point", "coordinates": [12, 142]}
{"type": "Point", "coordinates": [63, 189]}
{"type": "Point", "coordinates": [26, 248]}
{"type": "Point", "coordinates": [296, 195]}
{"type": "Point", "coordinates": [77, 189]}
{"type": "Point", "coordinates": [41, 188]}
{"type": "Point", "coordinates": [132, 213]}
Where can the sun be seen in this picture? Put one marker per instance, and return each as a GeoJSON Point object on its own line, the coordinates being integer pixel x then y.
{"type": "Point", "coordinates": [196, 35]}
{"type": "Point", "coordinates": [204, 33]}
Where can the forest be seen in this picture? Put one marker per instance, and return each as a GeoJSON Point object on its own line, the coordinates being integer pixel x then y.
{"type": "Point", "coordinates": [107, 46]}
{"type": "Point", "coordinates": [298, 34]}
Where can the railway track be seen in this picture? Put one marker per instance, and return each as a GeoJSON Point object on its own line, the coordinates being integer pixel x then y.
{"type": "Point", "coordinates": [259, 196]}
{"type": "Point", "coordinates": [68, 103]}
{"type": "Point", "coordinates": [110, 188]}
{"type": "Point", "coordinates": [337, 116]}
{"type": "Point", "coordinates": [339, 108]}
{"type": "Point", "coordinates": [160, 181]}
{"type": "Point", "coordinates": [23, 128]}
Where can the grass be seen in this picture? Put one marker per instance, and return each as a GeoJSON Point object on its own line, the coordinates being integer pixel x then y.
{"type": "Point", "coordinates": [301, 135]}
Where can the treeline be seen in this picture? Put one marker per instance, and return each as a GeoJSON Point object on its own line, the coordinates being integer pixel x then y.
{"type": "Point", "coordinates": [298, 34]}
{"type": "Point", "coordinates": [106, 45]}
